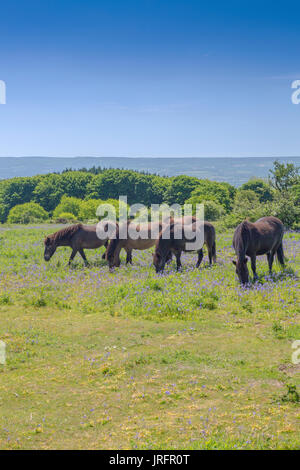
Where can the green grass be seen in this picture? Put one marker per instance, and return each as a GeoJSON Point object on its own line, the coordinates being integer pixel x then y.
{"type": "Point", "coordinates": [132, 359]}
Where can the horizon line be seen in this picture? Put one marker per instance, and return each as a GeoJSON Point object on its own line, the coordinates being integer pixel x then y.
{"type": "Point", "coordinates": [145, 157]}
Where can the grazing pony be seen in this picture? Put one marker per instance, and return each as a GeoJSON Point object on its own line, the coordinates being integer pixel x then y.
{"type": "Point", "coordinates": [173, 244]}
{"type": "Point", "coordinates": [263, 237]}
{"type": "Point", "coordinates": [77, 237]}
{"type": "Point", "coordinates": [146, 238]}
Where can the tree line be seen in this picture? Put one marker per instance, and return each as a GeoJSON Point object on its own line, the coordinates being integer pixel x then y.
{"type": "Point", "coordinates": [75, 195]}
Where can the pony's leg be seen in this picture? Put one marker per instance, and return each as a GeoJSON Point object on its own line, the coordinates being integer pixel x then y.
{"type": "Point", "coordinates": [200, 258]}
{"type": "Point", "coordinates": [104, 254]}
{"type": "Point", "coordinates": [280, 255]}
{"type": "Point", "coordinates": [214, 253]}
{"type": "Point", "coordinates": [178, 260]}
{"type": "Point", "coordinates": [270, 260]}
{"type": "Point", "coordinates": [117, 260]}
{"type": "Point", "coordinates": [253, 266]}
{"type": "Point", "coordinates": [210, 254]}
{"type": "Point", "coordinates": [74, 251]}
{"type": "Point", "coordinates": [83, 256]}
{"type": "Point", "coordinates": [169, 257]}
{"type": "Point", "coordinates": [128, 256]}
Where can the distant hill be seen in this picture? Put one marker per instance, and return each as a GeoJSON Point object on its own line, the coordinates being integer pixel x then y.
{"type": "Point", "coordinates": [233, 170]}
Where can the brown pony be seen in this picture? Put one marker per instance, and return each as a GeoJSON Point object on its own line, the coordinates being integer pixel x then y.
{"type": "Point", "coordinates": [76, 237]}
{"type": "Point", "coordinates": [145, 240]}
{"type": "Point", "coordinates": [263, 237]}
{"type": "Point", "coordinates": [165, 245]}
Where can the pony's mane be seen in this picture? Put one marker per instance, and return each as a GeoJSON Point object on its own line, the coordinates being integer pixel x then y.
{"type": "Point", "coordinates": [113, 244]}
{"type": "Point", "coordinates": [242, 235]}
{"type": "Point", "coordinates": [244, 228]}
{"type": "Point", "coordinates": [65, 234]}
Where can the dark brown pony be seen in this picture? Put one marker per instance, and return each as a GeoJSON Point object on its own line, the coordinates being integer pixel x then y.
{"type": "Point", "coordinates": [76, 237]}
{"type": "Point", "coordinates": [263, 237]}
{"type": "Point", "coordinates": [176, 245]}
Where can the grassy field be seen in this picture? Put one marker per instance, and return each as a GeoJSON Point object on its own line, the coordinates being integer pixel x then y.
{"type": "Point", "coordinates": [136, 360]}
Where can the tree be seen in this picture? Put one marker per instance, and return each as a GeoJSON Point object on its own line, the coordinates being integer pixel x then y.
{"type": "Point", "coordinates": [75, 183]}
{"type": "Point", "coordinates": [15, 191]}
{"type": "Point", "coordinates": [138, 187]}
{"type": "Point", "coordinates": [286, 181]}
{"type": "Point", "coordinates": [180, 189]}
{"type": "Point", "coordinates": [283, 177]}
{"type": "Point", "coordinates": [221, 193]}
{"type": "Point", "coordinates": [49, 191]}
{"type": "Point", "coordinates": [149, 189]}
{"type": "Point", "coordinates": [26, 213]}
{"type": "Point", "coordinates": [112, 184]}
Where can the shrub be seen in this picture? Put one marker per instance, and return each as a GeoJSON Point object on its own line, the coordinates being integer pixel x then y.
{"type": "Point", "coordinates": [88, 209]}
{"type": "Point", "coordinates": [70, 205]}
{"type": "Point", "coordinates": [232, 220]}
{"type": "Point", "coordinates": [261, 188]}
{"type": "Point", "coordinates": [115, 204]}
{"type": "Point", "coordinates": [65, 217]}
{"type": "Point", "coordinates": [295, 192]}
{"type": "Point", "coordinates": [27, 213]}
{"type": "Point", "coordinates": [247, 205]}
{"type": "Point", "coordinates": [285, 207]}
{"type": "Point", "coordinates": [212, 210]}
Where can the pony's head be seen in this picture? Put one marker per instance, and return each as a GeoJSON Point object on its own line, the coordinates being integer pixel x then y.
{"type": "Point", "coordinates": [159, 260]}
{"type": "Point", "coordinates": [110, 253]}
{"type": "Point", "coordinates": [241, 269]}
{"type": "Point", "coordinates": [50, 247]}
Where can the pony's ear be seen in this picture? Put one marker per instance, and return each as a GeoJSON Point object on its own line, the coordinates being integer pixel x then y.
{"type": "Point", "coordinates": [47, 241]}
{"type": "Point", "coordinates": [234, 262]}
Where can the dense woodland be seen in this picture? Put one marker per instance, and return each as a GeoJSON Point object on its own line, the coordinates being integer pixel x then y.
{"type": "Point", "coordinates": [75, 195]}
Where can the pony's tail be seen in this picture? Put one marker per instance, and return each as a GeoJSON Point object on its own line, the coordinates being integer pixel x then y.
{"type": "Point", "coordinates": [280, 254]}
{"type": "Point", "coordinates": [213, 252]}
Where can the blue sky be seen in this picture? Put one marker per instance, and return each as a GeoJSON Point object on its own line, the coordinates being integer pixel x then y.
{"type": "Point", "coordinates": [149, 78]}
